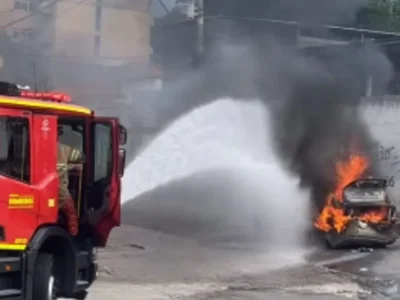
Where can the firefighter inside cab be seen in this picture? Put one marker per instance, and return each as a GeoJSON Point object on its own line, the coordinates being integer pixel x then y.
{"type": "Point", "coordinates": [69, 158]}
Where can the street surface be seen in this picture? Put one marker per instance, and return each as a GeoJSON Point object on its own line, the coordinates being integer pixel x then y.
{"type": "Point", "coordinates": [146, 265]}
{"type": "Point", "coordinates": [200, 242]}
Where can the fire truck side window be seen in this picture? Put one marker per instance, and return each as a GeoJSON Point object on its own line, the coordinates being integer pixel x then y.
{"type": "Point", "coordinates": [102, 152]}
{"type": "Point", "coordinates": [14, 148]}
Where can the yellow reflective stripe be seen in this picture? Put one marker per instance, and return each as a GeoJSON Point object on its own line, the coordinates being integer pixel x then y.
{"type": "Point", "coordinates": [61, 168]}
{"type": "Point", "coordinates": [12, 247]}
{"type": "Point", "coordinates": [74, 155]}
{"type": "Point", "coordinates": [37, 104]}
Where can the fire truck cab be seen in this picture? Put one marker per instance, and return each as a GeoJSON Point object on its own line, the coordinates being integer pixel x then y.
{"type": "Point", "coordinates": [39, 259]}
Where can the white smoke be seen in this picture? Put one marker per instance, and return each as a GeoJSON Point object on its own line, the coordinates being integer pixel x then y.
{"type": "Point", "coordinates": [214, 135]}
{"type": "Point", "coordinates": [234, 137]}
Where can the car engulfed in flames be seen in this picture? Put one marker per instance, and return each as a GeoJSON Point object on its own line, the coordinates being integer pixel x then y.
{"type": "Point", "coordinates": [358, 213]}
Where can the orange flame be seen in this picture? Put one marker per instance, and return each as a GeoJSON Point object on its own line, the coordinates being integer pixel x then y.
{"type": "Point", "coordinates": [375, 216]}
{"type": "Point", "coordinates": [332, 215]}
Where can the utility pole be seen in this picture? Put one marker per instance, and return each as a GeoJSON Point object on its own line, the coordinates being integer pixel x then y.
{"type": "Point", "coordinates": [199, 16]}
{"type": "Point", "coordinates": [369, 86]}
{"type": "Point", "coordinates": [98, 27]}
{"type": "Point", "coordinates": [200, 26]}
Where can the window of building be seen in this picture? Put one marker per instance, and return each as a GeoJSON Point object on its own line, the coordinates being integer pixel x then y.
{"type": "Point", "coordinates": [14, 148]}
{"type": "Point", "coordinates": [23, 5]}
{"type": "Point", "coordinates": [21, 34]}
{"type": "Point", "coordinates": [97, 45]}
{"type": "Point", "coordinates": [136, 5]}
{"type": "Point", "coordinates": [99, 15]}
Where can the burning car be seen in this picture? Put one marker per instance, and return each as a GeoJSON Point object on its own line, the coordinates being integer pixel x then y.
{"type": "Point", "coordinates": [359, 212]}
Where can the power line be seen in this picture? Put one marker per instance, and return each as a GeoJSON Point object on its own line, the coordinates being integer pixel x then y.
{"type": "Point", "coordinates": [164, 6]}
{"type": "Point", "coordinates": [72, 8]}
{"type": "Point", "coordinates": [391, 41]}
{"type": "Point", "coordinates": [302, 24]}
{"type": "Point", "coordinates": [6, 11]}
{"type": "Point", "coordinates": [5, 26]}
{"type": "Point", "coordinates": [125, 5]}
{"type": "Point", "coordinates": [33, 14]}
{"type": "Point", "coordinates": [292, 23]}
{"type": "Point", "coordinates": [162, 23]}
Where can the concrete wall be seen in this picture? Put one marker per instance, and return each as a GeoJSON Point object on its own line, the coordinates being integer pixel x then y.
{"type": "Point", "coordinates": [75, 30]}
{"type": "Point", "coordinates": [383, 118]}
{"type": "Point", "coordinates": [78, 33]}
{"type": "Point", "coordinates": [16, 18]}
{"type": "Point", "coordinates": [8, 14]}
{"type": "Point", "coordinates": [124, 32]}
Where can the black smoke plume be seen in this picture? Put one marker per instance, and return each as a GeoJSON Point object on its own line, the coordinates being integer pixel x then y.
{"type": "Point", "coordinates": [313, 95]}
{"type": "Point", "coordinates": [315, 108]}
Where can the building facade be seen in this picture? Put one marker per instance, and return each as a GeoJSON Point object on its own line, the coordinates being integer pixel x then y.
{"type": "Point", "coordinates": [112, 30]}
{"type": "Point", "coordinates": [19, 22]}
{"type": "Point", "coordinates": [101, 33]}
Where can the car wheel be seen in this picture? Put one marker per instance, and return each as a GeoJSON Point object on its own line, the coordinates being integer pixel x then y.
{"type": "Point", "coordinates": [44, 282]}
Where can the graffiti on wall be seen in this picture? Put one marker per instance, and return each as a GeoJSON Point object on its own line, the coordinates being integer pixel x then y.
{"type": "Point", "coordinates": [382, 153]}
{"type": "Point", "coordinates": [390, 157]}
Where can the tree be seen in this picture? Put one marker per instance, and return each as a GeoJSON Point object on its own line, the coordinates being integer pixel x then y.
{"type": "Point", "coordinates": [382, 15]}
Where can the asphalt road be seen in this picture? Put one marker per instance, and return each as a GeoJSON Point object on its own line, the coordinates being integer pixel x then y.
{"type": "Point", "coordinates": [192, 263]}
{"type": "Point", "coordinates": [378, 271]}
{"type": "Point", "coordinates": [144, 264]}
{"type": "Point", "coordinates": [200, 243]}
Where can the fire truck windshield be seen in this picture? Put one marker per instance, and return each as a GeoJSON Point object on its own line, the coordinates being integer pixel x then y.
{"type": "Point", "coordinates": [14, 148]}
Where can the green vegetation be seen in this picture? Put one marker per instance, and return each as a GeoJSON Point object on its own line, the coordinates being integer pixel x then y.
{"type": "Point", "coordinates": [382, 15]}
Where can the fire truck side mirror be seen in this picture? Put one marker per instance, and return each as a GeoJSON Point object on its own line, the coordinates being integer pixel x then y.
{"type": "Point", "coordinates": [121, 162]}
{"type": "Point", "coordinates": [123, 136]}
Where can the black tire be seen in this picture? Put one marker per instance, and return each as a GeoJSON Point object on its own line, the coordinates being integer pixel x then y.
{"type": "Point", "coordinates": [81, 295]}
{"type": "Point", "coordinates": [43, 282]}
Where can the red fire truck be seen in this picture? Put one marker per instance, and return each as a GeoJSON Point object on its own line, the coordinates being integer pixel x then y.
{"type": "Point", "coordinates": [39, 259]}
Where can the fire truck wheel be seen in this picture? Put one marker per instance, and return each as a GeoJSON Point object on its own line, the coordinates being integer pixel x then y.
{"type": "Point", "coordinates": [43, 282]}
{"type": "Point", "coordinates": [81, 295]}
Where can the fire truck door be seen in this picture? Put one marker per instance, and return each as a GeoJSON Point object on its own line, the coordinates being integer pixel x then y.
{"type": "Point", "coordinates": [103, 203]}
